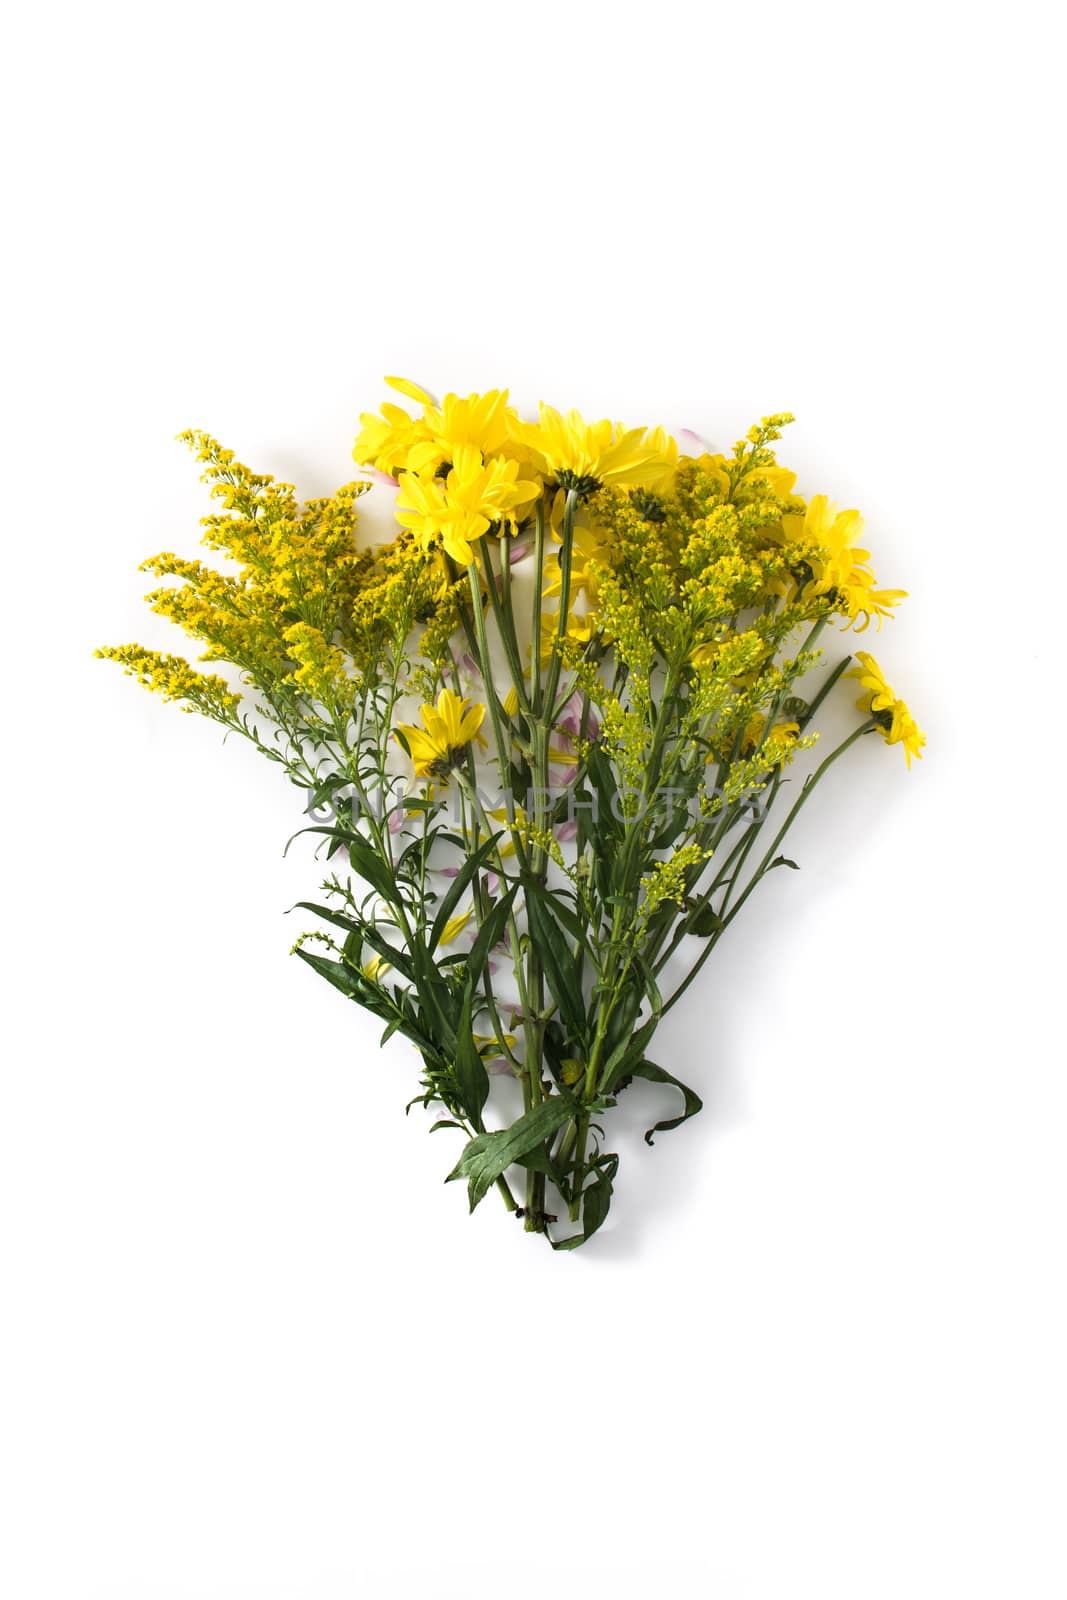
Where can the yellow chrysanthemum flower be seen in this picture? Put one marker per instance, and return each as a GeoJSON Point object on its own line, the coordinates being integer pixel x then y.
{"type": "Point", "coordinates": [845, 568]}
{"type": "Point", "coordinates": [447, 730]}
{"type": "Point", "coordinates": [386, 441]}
{"type": "Point", "coordinates": [476, 495]}
{"type": "Point", "coordinates": [584, 456]}
{"type": "Point", "coordinates": [896, 722]}
{"type": "Point", "coordinates": [481, 420]}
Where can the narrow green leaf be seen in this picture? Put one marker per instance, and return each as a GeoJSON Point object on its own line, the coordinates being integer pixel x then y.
{"type": "Point", "coordinates": [630, 1049]}
{"type": "Point", "coordinates": [704, 922]}
{"type": "Point", "coordinates": [596, 1202]}
{"type": "Point", "coordinates": [364, 859]}
{"type": "Point", "coordinates": [489, 934]}
{"type": "Point", "coordinates": [471, 1076]}
{"type": "Point", "coordinates": [340, 919]}
{"type": "Point", "coordinates": [341, 977]}
{"type": "Point", "coordinates": [562, 966]}
{"type": "Point", "coordinates": [691, 1100]}
{"type": "Point", "coordinates": [466, 874]}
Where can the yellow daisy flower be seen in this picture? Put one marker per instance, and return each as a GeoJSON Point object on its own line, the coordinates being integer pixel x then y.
{"type": "Point", "coordinates": [447, 730]}
{"type": "Point", "coordinates": [846, 566]}
{"type": "Point", "coordinates": [481, 420]}
{"type": "Point", "coordinates": [474, 497]}
{"type": "Point", "coordinates": [584, 456]}
{"type": "Point", "coordinates": [385, 441]}
{"type": "Point", "coordinates": [896, 722]}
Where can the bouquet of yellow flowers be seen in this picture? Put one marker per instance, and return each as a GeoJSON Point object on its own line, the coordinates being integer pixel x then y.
{"type": "Point", "coordinates": [542, 733]}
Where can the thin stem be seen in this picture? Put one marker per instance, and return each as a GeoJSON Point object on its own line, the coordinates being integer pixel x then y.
{"type": "Point", "coordinates": [538, 601]}
{"type": "Point", "coordinates": [768, 857]}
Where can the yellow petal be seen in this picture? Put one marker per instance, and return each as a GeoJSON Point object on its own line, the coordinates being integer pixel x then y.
{"type": "Point", "coordinates": [412, 390]}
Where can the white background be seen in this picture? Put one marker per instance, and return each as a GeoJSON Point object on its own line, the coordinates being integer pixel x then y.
{"type": "Point", "coordinates": [251, 1347]}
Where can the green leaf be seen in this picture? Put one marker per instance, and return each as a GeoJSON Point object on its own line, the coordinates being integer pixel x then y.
{"type": "Point", "coordinates": [340, 919]}
{"type": "Point", "coordinates": [489, 1154]}
{"type": "Point", "coordinates": [601, 776]}
{"type": "Point", "coordinates": [467, 872]}
{"type": "Point", "coordinates": [364, 859]}
{"type": "Point", "coordinates": [648, 978]}
{"type": "Point", "coordinates": [334, 972]}
{"type": "Point", "coordinates": [596, 1202]}
{"type": "Point", "coordinates": [783, 861]}
{"type": "Point", "coordinates": [632, 1048]}
{"type": "Point", "coordinates": [563, 914]}
{"type": "Point", "coordinates": [489, 934]}
{"type": "Point", "coordinates": [623, 1017]}
{"type": "Point", "coordinates": [691, 1100]}
{"type": "Point", "coordinates": [704, 922]}
{"type": "Point", "coordinates": [389, 952]}
{"type": "Point", "coordinates": [562, 967]}
{"type": "Point", "coordinates": [471, 1076]}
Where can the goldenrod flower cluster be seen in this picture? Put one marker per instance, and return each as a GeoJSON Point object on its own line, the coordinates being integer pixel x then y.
{"type": "Point", "coordinates": [548, 724]}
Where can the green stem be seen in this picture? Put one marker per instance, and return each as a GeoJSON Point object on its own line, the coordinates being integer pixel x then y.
{"type": "Point", "coordinates": [505, 624]}
{"type": "Point", "coordinates": [768, 857]}
{"type": "Point", "coordinates": [565, 560]}
{"type": "Point", "coordinates": [538, 601]}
